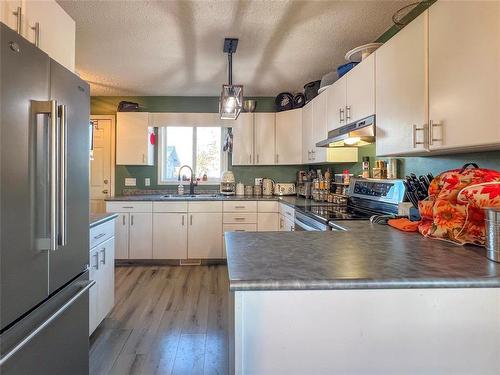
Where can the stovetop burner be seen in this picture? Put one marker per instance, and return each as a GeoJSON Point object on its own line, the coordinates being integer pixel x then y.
{"type": "Point", "coordinates": [330, 212]}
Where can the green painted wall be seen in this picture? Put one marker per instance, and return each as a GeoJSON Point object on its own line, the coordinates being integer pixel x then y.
{"type": "Point", "coordinates": [106, 105]}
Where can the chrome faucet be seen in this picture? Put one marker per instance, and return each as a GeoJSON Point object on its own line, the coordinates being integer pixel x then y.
{"type": "Point", "coordinates": [192, 183]}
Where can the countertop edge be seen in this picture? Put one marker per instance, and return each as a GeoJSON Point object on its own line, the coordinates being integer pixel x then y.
{"type": "Point", "coordinates": [103, 219]}
{"type": "Point", "coordinates": [449, 283]}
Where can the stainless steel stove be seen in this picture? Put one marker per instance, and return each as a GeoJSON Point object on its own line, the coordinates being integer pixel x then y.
{"type": "Point", "coordinates": [367, 197]}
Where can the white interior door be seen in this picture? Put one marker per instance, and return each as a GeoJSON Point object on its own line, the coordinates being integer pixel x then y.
{"type": "Point", "coordinates": [100, 166]}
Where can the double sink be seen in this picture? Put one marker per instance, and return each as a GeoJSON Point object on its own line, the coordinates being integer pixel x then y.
{"type": "Point", "coordinates": [191, 196]}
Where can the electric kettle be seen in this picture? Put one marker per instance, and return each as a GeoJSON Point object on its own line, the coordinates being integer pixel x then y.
{"type": "Point", "coordinates": [267, 187]}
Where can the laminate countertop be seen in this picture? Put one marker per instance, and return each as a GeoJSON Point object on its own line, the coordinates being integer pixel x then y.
{"type": "Point", "coordinates": [366, 256]}
{"type": "Point", "coordinates": [97, 219]}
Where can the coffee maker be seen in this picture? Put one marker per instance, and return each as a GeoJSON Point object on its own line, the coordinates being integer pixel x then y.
{"type": "Point", "coordinates": [227, 184]}
{"type": "Point", "coordinates": [304, 184]}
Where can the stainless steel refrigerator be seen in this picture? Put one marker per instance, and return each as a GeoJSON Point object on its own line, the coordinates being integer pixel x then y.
{"type": "Point", "coordinates": [44, 229]}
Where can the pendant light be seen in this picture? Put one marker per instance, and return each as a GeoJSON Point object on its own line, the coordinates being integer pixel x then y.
{"type": "Point", "coordinates": [231, 97]}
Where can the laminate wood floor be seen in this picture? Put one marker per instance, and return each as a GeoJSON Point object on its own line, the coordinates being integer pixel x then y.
{"type": "Point", "coordinates": [166, 320]}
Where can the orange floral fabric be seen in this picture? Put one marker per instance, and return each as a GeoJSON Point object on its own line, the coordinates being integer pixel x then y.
{"type": "Point", "coordinates": [454, 209]}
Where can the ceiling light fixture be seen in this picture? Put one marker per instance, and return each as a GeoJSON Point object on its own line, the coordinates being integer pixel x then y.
{"type": "Point", "coordinates": [231, 97]}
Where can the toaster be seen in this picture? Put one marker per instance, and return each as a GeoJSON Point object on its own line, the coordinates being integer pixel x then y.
{"type": "Point", "coordinates": [284, 188]}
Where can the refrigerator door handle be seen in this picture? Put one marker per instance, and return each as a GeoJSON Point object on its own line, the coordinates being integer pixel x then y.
{"type": "Point", "coordinates": [63, 175]}
{"type": "Point", "coordinates": [49, 108]}
{"type": "Point", "coordinates": [36, 331]}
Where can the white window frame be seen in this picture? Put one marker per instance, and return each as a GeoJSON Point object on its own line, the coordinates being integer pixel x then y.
{"type": "Point", "coordinates": [162, 135]}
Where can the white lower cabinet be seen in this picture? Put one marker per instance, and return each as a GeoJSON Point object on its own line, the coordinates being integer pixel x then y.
{"type": "Point", "coordinates": [134, 229]}
{"type": "Point", "coordinates": [141, 235]}
{"type": "Point", "coordinates": [285, 224]}
{"type": "Point", "coordinates": [102, 271]}
{"type": "Point", "coordinates": [267, 222]}
{"type": "Point", "coordinates": [121, 234]}
{"type": "Point", "coordinates": [205, 235]}
{"type": "Point", "coordinates": [170, 235]}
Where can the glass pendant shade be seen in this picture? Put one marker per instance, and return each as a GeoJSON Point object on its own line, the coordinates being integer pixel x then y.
{"type": "Point", "coordinates": [231, 102]}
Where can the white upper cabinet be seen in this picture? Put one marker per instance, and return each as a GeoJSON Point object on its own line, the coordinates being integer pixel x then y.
{"type": "Point", "coordinates": [134, 139]}
{"type": "Point", "coordinates": [464, 74]}
{"type": "Point", "coordinates": [319, 131]}
{"type": "Point", "coordinates": [45, 23]}
{"type": "Point", "coordinates": [264, 138]}
{"type": "Point", "coordinates": [9, 13]}
{"type": "Point", "coordinates": [54, 28]}
{"type": "Point", "coordinates": [243, 137]}
{"type": "Point", "coordinates": [336, 102]}
{"type": "Point", "coordinates": [307, 124]}
{"type": "Point", "coordinates": [289, 137]}
{"type": "Point", "coordinates": [360, 90]}
{"type": "Point", "coordinates": [401, 91]}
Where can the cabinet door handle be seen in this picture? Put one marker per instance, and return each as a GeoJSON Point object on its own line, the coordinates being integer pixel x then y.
{"type": "Point", "coordinates": [258, 159]}
{"type": "Point", "coordinates": [348, 112]}
{"type": "Point", "coordinates": [239, 230]}
{"type": "Point", "coordinates": [190, 219]}
{"type": "Point", "coordinates": [99, 236]}
{"type": "Point", "coordinates": [18, 13]}
{"type": "Point", "coordinates": [433, 125]}
{"type": "Point", "coordinates": [239, 207]}
{"type": "Point", "coordinates": [277, 158]}
{"type": "Point", "coordinates": [103, 252]}
{"type": "Point", "coordinates": [182, 220]}
{"type": "Point", "coordinates": [36, 30]}
{"type": "Point", "coordinates": [143, 158]}
{"type": "Point", "coordinates": [123, 219]}
{"type": "Point", "coordinates": [414, 135]}
{"type": "Point", "coordinates": [128, 207]}
{"type": "Point", "coordinates": [308, 154]}
{"type": "Point", "coordinates": [131, 219]}
{"type": "Point", "coordinates": [250, 159]}
{"type": "Point", "coordinates": [341, 114]}
{"type": "Point", "coordinates": [96, 257]}
{"type": "Point", "coordinates": [239, 218]}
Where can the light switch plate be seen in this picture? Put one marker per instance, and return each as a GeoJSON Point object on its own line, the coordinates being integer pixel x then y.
{"type": "Point", "coordinates": [258, 180]}
{"type": "Point", "coordinates": [147, 181]}
{"type": "Point", "coordinates": [129, 181]}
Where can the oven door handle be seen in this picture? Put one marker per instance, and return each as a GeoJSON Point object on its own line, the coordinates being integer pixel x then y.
{"type": "Point", "coordinates": [304, 226]}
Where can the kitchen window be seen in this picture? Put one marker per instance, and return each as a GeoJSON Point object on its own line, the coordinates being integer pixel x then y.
{"type": "Point", "coordinates": [199, 147]}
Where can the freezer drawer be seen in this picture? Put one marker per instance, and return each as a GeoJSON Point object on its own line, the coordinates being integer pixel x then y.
{"type": "Point", "coordinates": [53, 339]}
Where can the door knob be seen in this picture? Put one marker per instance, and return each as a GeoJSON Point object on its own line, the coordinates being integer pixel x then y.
{"type": "Point", "coordinates": [106, 181]}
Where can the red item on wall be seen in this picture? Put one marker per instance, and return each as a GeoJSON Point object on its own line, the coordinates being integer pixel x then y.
{"type": "Point", "coordinates": [152, 138]}
{"type": "Point", "coordinates": [455, 208]}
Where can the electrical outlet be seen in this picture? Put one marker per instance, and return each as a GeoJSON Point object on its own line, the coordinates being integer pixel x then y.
{"type": "Point", "coordinates": [147, 181]}
{"type": "Point", "coordinates": [129, 181]}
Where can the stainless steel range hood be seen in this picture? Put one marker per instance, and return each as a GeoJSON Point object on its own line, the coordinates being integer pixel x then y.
{"type": "Point", "coordinates": [358, 133]}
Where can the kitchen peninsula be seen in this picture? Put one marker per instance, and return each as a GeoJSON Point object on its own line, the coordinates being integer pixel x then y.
{"type": "Point", "coordinates": [367, 300]}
